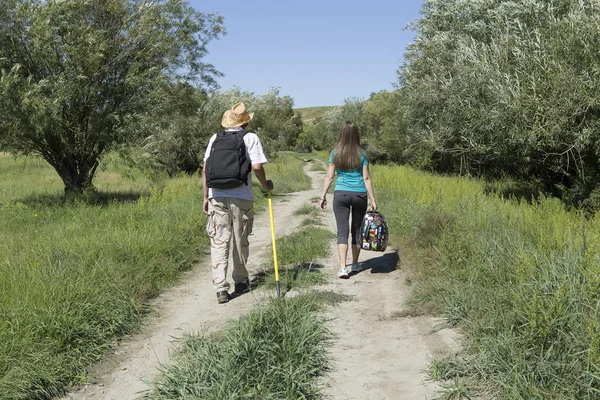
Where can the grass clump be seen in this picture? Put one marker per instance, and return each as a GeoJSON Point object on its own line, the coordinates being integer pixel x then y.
{"type": "Point", "coordinates": [297, 255]}
{"type": "Point", "coordinates": [317, 166]}
{"type": "Point", "coordinates": [307, 209]}
{"type": "Point", "coordinates": [277, 351]}
{"type": "Point", "coordinates": [518, 277]}
{"type": "Point", "coordinates": [304, 246]}
{"type": "Point", "coordinates": [309, 222]}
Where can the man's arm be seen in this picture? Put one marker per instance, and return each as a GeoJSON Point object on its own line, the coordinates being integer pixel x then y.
{"type": "Point", "coordinates": [259, 171]}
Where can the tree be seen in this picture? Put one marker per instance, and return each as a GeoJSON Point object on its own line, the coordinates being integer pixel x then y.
{"type": "Point", "coordinates": [276, 121]}
{"type": "Point", "coordinates": [74, 74]}
{"type": "Point", "coordinates": [498, 87]}
{"type": "Point", "coordinates": [171, 141]}
{"type": "Point", "coordinates": [175, 142]}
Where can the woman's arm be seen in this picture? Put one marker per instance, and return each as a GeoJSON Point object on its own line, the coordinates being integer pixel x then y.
{"type": "Point", "coordinates": [369, 186]}
{"type": "Point", "coordinates": [326, 185]}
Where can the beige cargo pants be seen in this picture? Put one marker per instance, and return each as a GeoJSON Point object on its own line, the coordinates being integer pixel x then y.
{"type": "Point", "coordinates": [229, 222]}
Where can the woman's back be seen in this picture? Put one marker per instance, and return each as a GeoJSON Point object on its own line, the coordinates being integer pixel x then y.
{"type": "Point", "coordinates": [350, 180]}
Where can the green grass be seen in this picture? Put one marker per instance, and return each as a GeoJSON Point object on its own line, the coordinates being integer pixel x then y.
{"type": "Point", "coordinates": [309, 114]}
{"type": "Point", "coordinates": [317, 166]}
{"type": "Point", "coordinates": [310, 222]}
{"type": "Point", "coordinates": [307, 209]}
{"type": "Point", "coordinates": [297, 255]}
{"type": "Point", "coordinates": [76, 276]}
{"type": "Point", "coordinates": [321, 155]}
{"type": "Point", "coordinates": [31, 181]}
{"type": "Point", "coordinates": [286, 172]}
{"type": "Point", "coordinates": [520, 280]}
{"type": "Point", "coordinates": [277, 351]}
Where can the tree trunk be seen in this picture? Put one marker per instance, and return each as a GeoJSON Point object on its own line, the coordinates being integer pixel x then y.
{"type": "Point", "coordinates": [77, 176]}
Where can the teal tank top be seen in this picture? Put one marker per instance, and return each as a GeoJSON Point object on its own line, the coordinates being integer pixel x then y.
{"type": "Point", "coordinates": [351, 181]}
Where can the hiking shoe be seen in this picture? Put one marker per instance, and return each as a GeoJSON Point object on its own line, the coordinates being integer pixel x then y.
{"type": "Point", "coordinates": [242, 287]}
{"type": "Point", "coordinates": [222, 297]}
{"type": "Point", "coordinates": [343, 273]}
{"type": "Point", "coordinates": [356, 268]}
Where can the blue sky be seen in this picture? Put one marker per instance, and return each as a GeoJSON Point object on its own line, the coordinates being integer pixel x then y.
{"type": "Point", "coordinates": [318, 52]}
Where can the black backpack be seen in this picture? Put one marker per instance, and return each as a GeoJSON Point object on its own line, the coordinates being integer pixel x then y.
{"type": "Point", "coordinates": [227, 166]}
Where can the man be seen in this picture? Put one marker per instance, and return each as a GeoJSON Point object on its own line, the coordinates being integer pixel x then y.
{"type": "Point", "coordinates": [230, 210]}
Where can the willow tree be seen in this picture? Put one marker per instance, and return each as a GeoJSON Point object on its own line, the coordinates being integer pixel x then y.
{"type": "Point", "coordinates": [74, 74]}
{"type": "Point", "coordinates": [503, 87]}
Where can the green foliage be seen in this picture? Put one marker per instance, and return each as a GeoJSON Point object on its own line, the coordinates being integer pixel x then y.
{"type": "Point", "coordinates": [276, 122]}
{"type": "Point", "coordinates": [502, 87]}
{"type": "Point", "coordinates": [171, 143]}
{"type": "Point", "coordinates": [324, 132]}
{"type": "Point", "coordinates": [380, 125]}
{"type": "Point", "coordinates": [519, 279]}
{"type": "Point", "coordinates": [286, 172]}
{"type": "Point", "coordinates": [176, 141]}
{"type": "Point", "coordinates": [74, 277]}
{"type": "Point", "coordinates": [81, 72]}
{"type": "Point", "coordinates": [309, 114]}
{"type": "Point", "coordinates": [277, 351]}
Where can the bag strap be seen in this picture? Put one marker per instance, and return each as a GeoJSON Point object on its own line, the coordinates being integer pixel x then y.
{"type": "Point", "coordinates": [243, 132]}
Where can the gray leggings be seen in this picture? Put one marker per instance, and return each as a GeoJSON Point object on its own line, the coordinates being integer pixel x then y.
{"type": "Point", "coordinates": [343, 201]}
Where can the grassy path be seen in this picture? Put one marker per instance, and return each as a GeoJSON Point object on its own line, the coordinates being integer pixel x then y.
{"type": "Point", "coordinates": [188, 307]}
{"type": "Point", "coordinates": [378, 353]}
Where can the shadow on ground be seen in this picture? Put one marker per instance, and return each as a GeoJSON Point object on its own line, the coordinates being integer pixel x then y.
{"type": "Point", "coordinates": [384, 264]}
{"type": "Point", "coordinates": [302, 275]}
{"type": "Point", "coordinates": [93, 199]}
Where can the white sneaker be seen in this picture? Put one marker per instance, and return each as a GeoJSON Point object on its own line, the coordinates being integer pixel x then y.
{"type": "Point", "coordinates": [356, 268]}
{"type": "Point", "coordinates": [343, 273]}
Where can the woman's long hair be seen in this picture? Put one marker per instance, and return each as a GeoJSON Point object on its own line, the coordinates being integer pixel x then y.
{"type": "Point", "coordinates": [348, 150]}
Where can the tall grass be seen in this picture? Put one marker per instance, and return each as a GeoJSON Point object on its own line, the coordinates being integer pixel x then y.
{"type": "Point", "coordinates": [297, 255]}
{"type": "Point", "coordinates": [521, 281]}
{"type": "Point", "coordinates": [286, 172]}
{"type": "Point", "coordinates": [75, 276]}
{"type": "Point", "coordinates": [277, 351]}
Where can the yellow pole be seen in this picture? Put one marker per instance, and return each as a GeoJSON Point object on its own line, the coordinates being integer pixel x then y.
{"type": "Point", "coordinates": [274, 246]}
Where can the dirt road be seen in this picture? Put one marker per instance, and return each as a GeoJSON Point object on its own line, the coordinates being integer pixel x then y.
{"type": "Point", "coordinates": [375, 356]}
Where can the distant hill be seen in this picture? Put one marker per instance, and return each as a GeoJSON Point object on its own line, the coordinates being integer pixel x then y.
{"type": "Point", "coordinates": [311, 113]}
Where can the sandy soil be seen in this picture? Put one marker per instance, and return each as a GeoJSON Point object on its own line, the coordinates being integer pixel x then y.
{"type": "Point", "coordinates": [375, 356]}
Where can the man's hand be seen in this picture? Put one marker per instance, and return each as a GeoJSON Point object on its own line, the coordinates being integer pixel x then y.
{"type": "Point", "coordinates": [269, 185]}
{"type": "Point", "coordinates": [205, 206]}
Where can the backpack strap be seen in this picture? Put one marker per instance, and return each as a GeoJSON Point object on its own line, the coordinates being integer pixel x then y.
{"type": "Point", "coordinates": [243, 132]}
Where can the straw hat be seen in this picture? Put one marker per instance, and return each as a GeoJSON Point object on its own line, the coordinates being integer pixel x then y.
{"type": "Point", "coordinates": [236, 117]}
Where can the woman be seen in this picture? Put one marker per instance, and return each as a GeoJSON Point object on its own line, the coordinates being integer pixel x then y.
{"type": "Point", "coordinates": [350, 162]}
